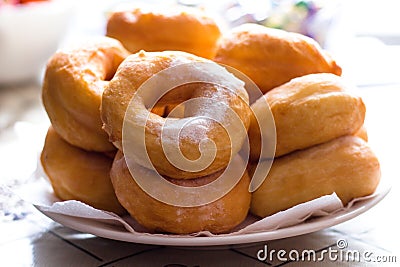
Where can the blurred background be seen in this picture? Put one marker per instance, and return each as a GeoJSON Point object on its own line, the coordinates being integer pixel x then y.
{"type": "Point", "coordinates": [354, 31]}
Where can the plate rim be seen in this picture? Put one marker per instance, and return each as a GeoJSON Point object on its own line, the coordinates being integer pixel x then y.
{"type": "Point", "coordinates": [309, 226]}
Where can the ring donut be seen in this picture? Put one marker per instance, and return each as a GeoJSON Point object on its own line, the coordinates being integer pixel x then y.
{"type": "Point", "coordinates": [72, 89]}
{"type": "Point", "coordinates": [307, 110]}
{"type": "Point", "coordinates": [271, 57]}
{"type": "Point", "coordinates": [217, 101]}
{"type": "Point", "coordinates": [77, 174]}
{"type": "Point", "coordinates": [345, 165]}
{"type": "Point", "coordinates": [219, 216]}
{"type": "Point", "coordinates": [178, 28]}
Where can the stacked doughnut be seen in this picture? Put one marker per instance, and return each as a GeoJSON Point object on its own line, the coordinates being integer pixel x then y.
{"type": "Point", "coordinates": [173, 37]}
{"type": "Point", "coordinates": [319, 123]}
{"type": "Point", "coordinates": [103, 76]}
{"type": "Point", "coordinates": [192, 128]}
{"type": "Point", "coordinates": [165, 28]}
{"type": "Point", "coordinates": [130, 134]}
{"type": "Point", "coordinates": [77, 155]}
{"type": "Point", "coordinates": [319, 147]}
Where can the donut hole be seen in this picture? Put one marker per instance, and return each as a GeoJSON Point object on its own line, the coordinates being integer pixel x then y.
{"type": "Point", "coordinates": [185, 100]}
{"type": "Point", "coordinates": [203, 108]}
{"type": "Point", "coordinates": [109, 76]}
{"type": "Point", "coordinates": [110, 70]}
{"type": "Point", "coordinates": [173, 103]}
{"type": "Point", "coordinates": [169, 111]}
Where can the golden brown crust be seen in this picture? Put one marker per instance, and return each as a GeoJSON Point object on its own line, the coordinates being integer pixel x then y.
{"type": "Point", "coordinates": [72, 89]}
{"type": "Point", "coordinates": [344, 165]}
{"type": "Point", "coordinates": [143, 65]}
{"type": "Point", "coordinates": [308, 110]}
{"type": "Point", "coordinates": [179, 29]}
{"type": "Point", "coordinates": [119, 93]}
{"type": "Point", "coordinates": [76, 174]}
{"type": "Point", "coordinates": [271, 57]}
{"type": "Point", "coordinates": [219, 216]}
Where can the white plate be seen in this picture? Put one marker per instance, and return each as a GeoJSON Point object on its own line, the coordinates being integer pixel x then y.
{"type": "Point", "coordinates": [312, 225]}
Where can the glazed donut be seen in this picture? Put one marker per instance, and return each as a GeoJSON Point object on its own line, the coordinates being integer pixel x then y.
{"type": "Point", "coordinates": [271, 57]}
{"type": "Point", "coordinates": [308, 110]}
{"type": "Point", "coordinates": [219, 216]}
{"type": "Point", "coordinates": [346, 166]}
{"type": "Point", "coordinates": [217, 101]}
{"type": "Point", "coordinates": [72, 89]}
{"type": "Point", "coordinates": [77, 174]}
{"type": "Point", "coordinates": [177, 28]}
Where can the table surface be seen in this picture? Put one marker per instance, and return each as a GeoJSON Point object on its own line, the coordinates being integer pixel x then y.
{"type": "Point", "coordinates": [29, 238]}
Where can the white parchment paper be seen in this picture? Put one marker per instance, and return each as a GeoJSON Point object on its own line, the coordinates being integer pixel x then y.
{"type": "Point", "coordinates": [40, 194]}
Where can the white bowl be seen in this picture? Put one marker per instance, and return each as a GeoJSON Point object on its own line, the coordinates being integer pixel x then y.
{"type": "Point", "coordinates": [29, 35]}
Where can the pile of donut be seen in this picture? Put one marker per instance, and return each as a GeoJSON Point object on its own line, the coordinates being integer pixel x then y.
{"type": "Point", "coordinates": [321, 144]}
